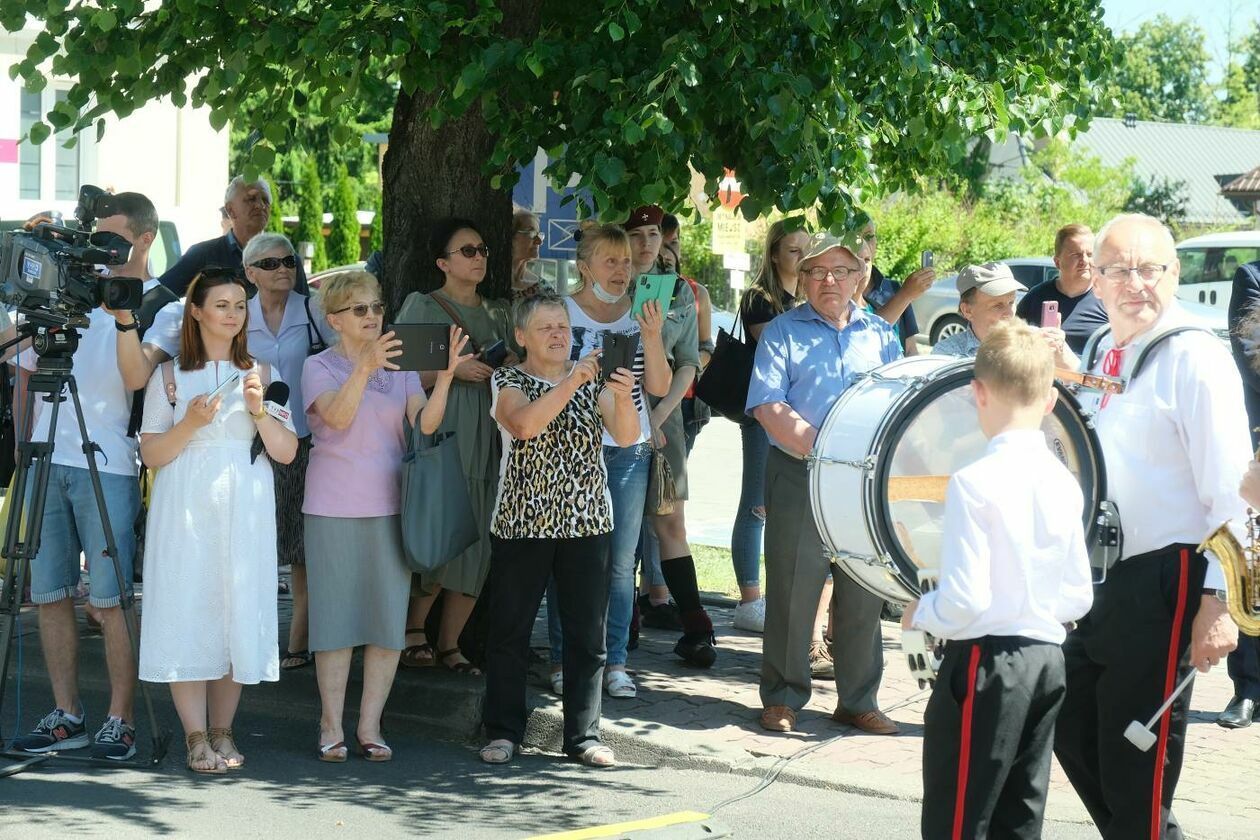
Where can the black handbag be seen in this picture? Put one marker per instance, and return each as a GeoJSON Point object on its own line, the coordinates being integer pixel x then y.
{"type": "Point", "coordinates": [724, 383]}
{"type": "Point", "coordinates": [437, 515]}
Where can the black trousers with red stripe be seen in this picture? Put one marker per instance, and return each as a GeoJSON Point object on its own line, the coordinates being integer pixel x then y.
{"type": "Point", "coordinates": [1123, 659]}
{"type": "Point", "coordinates": [988, 732]}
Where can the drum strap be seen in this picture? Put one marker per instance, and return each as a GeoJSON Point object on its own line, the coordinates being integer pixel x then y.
{"type": "Point", "coordinates": [1091, 348]}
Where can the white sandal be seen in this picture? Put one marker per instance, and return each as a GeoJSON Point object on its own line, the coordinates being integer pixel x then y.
{"type": "Point", "coordinates": [498, 751]}
{"type": "Point", "coordinates": [619, 685]}
{"type": "Point", "coordinates": [599, 756]}
{"type": "Point", "coordinates": [557, 683]}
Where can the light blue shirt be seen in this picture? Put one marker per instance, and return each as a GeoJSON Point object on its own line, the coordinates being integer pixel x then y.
{"type": "Point", "coordinates": [963, 344]}
{"type": "Point", "coordinates": [804, 361]}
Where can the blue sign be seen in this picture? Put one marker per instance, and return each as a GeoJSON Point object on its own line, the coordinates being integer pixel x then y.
{"type": "Point", "coordinates": [533, 192]}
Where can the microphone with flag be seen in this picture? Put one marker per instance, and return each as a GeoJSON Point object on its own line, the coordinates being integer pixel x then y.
{"type": "Point", "coordinates": [274, 400]}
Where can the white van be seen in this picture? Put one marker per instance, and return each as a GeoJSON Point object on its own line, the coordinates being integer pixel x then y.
{"type": "Point", "coordinates": [1208, 264]}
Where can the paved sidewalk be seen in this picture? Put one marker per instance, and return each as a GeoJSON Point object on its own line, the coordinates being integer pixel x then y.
{"type": "Point", "coordinates": [708, 719]}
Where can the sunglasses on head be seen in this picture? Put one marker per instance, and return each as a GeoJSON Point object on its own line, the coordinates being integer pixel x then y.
{"type": "Point", "coordinates": [217, 272]}
{"type": "Point", "coordinates": [360, 310]}
{"type": "Point", "coordinates": [471, 251]}
{"type": "Point", "coordinates": [272, 263]}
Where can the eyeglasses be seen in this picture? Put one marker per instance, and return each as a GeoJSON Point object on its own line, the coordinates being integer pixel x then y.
{"type": "Point", "coordinates": [272, 263]}
{"type": "Point", "coordinates": [360, 310]}
{"type": "Point", "coordinates": [471, 251]}
{"type": "Point", "coordinates": [530, 233]}
{"type": "Point", "coordinates": [1149, 273]}
{"type": "Point", "coordinates": [819, 273]}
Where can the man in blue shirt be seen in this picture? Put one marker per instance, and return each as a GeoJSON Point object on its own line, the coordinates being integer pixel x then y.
{"type": "Point", "coordinates": [806, 358]}
{"type": "Point", "coordinates": [248, 206]}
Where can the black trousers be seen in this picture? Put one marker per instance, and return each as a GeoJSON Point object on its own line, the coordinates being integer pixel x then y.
{"type": "Point", "coordinates": [519, 571]}
{"type": "Point", "coordinates": [988, 733]}
{"type": "Point", "coordinates": [1244, 667]}
{"type": "Point", "coordinates": [1123, 659]}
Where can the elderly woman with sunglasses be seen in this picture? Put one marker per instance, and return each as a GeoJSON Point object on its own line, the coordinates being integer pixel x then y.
{"type": "Point", "coordinates": [460, 253]}
{"type": "Point", "coordinates": [356, 399]}
{"type": "Point", "coordinates": [527, 236]}
{"type": "Point", "coordinates": [284, 328]}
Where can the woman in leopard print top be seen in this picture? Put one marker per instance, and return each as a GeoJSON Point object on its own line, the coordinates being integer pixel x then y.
{"type": "Point", "coordinates": [552, 516]}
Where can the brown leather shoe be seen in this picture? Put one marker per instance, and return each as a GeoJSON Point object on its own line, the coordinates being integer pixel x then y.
{"type": "Point", "coordinates": [873, 722]}
{"type": "Point", "coordinates": [778, 719]}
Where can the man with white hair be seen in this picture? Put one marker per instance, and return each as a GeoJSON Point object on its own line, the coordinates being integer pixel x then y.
{"type": "Point", "coordinates": [248, 207]}
{"type": "Point", "coordinates": [1175, 445]}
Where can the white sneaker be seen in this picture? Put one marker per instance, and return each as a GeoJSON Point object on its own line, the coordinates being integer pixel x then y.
{"type": "Point", "coordinates": [557, 683]}
{"type": "Point", "coordinates": [751, 616]}
{"type": "Point", "coordinates": [618, 684]}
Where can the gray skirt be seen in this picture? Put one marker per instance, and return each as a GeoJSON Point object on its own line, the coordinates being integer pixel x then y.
{"type": "Point", "coordinates": [358, 581]}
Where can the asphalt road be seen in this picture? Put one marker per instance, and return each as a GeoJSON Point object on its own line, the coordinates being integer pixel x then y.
{"type": "Point", "coordinates": [431, 789]}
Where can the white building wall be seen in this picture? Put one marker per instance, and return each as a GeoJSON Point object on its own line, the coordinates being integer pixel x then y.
{"type": "Point", "coordinates": [170, 154]}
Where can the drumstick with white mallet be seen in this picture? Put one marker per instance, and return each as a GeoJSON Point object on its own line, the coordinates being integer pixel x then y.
{"type": "Point", "coordinates": [1141, 736]}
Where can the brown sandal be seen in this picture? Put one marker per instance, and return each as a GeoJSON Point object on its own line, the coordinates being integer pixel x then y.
{"type": "Point", "coordinates": [417, 656]}
{"type": "Point", "coordinates": [222, 742]}
{"type": "Point", "coordinates": [464, 667]}
{"type": "Point", "coordinates": [194, 741]}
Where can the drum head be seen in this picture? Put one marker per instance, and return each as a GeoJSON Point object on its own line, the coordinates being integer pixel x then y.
{"type": "Point", "coordinates": [935, 435]}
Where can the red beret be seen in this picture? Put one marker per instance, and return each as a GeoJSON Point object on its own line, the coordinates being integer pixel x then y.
{"type": "Point", "coordinates": [648, 214]}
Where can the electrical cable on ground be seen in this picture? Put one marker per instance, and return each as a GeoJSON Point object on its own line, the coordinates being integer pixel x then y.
{"type": "Point", "coordinates": [779, 766]}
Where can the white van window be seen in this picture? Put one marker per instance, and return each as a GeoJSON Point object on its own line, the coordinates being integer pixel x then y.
{"type": "Point", "coordinates": [1214, 265]}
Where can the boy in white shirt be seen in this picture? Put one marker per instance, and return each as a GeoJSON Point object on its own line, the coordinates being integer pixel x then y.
{"type": "Point", "coordinates": [1013, 572]}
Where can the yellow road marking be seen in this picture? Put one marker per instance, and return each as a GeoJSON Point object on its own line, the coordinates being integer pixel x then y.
{"type": "Point", "coordinates": [614, 829]}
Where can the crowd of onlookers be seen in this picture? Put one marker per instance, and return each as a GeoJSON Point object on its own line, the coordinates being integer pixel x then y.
{"type": "Point", "coordinates": [563, 465]}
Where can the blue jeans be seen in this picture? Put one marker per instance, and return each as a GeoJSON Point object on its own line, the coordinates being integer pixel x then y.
{"type": "Point", "coordinates": [72, 524]}
{"type": "Point", "coordinates": [627, 485]}
{"type": "Point", "coordinates": [746, 535]}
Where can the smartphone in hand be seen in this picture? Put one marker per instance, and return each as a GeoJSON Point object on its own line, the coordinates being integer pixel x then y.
{"type": "Point", "coordinates": [619, 352]}
{"type": "Point", "coordinates": [927, 259]}
{"type": "Point", "coordinates": [1050, 314]}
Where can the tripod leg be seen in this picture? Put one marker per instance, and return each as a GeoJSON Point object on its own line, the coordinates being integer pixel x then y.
{"type": "Point", "coordinates": [21, 545]}
{"type": "Point", "coordinates": [126, 598]}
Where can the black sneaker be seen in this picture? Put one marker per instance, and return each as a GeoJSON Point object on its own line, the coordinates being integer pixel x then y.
{"type": "Point", "coordinates": [116, 740]}
{"type": "Point", "coordinates": [663, 617]}
{"type": "Point", "coordinates": [697, 649]}
{"type": "Point", "coordinates": [54, 732]}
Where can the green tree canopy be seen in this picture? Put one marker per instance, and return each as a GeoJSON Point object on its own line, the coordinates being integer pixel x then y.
{"type": "Point", "coordinates": [818, 104]}
{"type": "Point", "coordinates": [1161, 73]}
{"type": "Point", "coordinates": [310, 227]}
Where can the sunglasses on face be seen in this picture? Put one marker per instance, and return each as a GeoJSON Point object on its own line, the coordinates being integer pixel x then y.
{"type": "Point", "coordinates": [272, 263]}
{"type": "Point", "coordinates": [471, 251]}
{"type": "Point", "coordinates": [360, 310]}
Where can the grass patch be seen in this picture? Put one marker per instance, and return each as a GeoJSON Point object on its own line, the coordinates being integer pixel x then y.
{"type": "Point", "coordinates": [714, 571]}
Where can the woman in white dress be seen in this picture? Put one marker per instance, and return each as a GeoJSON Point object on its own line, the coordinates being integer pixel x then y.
{"type": "Point", "coordinates": [210, 553]}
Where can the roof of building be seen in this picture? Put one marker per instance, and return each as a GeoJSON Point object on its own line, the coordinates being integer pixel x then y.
{"type": "Point", "coordinates": [1205, 157]}
{"type": "Point", "coordinates": [1247, 184]}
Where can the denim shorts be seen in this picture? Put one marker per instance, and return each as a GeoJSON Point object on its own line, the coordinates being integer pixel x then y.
{"type": "Point", "coordinates": [72, 525]}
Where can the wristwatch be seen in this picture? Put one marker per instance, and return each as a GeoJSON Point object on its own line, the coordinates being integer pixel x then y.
{"type": "Point", "coordinates": [134, 325]}
{"type": "Point", "coordinates": [1219, 594]}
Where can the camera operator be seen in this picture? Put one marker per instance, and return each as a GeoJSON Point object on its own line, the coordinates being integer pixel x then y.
{"type": "Point", "coordinates": [248, 206]}
{"type": "Point", "coordinates": [71, 517]}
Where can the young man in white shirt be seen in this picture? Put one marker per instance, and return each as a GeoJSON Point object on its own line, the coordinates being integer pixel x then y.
{"type": "Point", "coordinates": [1013, 572]}
{"type": "Point", "coordinates": [1175, 445]}
{"type": "Point", "coordinates": [72, 521]}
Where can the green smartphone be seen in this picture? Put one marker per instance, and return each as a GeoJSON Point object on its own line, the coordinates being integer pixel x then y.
{"type": "Point", "coordinates": [657, 287]}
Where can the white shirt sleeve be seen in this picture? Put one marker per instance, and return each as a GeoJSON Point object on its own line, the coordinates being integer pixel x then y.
{"type": "Point", "coordinates": [164, 332]}
{"type": "Point", "coordinates": [159, 414]}
{"type": "Point", "coordinates": [1213, 424]}
{"type": "Point", "coordinates": [965, 589]}
{"type": "Point", "coordinates": [1076, 590]}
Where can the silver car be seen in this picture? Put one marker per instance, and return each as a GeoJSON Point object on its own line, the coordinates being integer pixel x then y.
{"type": "Point", "coordinates": [937, 309]}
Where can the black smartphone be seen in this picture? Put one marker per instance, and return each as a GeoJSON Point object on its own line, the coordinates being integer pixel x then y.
{"type": "Point", "coordinates": [495, 354]}
{"type": "Point", "coordinates": [424, 346]}
{"type": "Point", "coordinates": [619, 352]}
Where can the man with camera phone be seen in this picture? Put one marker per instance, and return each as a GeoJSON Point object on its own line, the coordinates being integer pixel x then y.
{"type": "Point", "coordinates": [72, 520]}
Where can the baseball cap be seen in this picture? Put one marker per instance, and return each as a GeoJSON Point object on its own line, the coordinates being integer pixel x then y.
{"type": "Point", "coordinates": [991, 278]}
{"type": "Point", "coordinates": [821, 243]}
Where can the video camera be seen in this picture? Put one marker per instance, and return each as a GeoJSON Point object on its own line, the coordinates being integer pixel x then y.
{"type": "Point", "coordinates": [50, 275]}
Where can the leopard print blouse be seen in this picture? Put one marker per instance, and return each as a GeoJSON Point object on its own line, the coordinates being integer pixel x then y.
{"type": "Point", "coordinates": [554, 486]}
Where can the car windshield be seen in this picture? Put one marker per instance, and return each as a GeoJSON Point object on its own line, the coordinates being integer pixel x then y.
{"type": "Point", "coordinates": [1214, 265]}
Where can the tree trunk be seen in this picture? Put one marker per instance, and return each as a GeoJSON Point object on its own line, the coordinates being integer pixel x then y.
{"type": "Point", "coordinates": [429, 174]}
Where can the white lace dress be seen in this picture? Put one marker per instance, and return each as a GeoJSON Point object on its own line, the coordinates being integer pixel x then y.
{"type": "Point", "coordinates": [209, 605]}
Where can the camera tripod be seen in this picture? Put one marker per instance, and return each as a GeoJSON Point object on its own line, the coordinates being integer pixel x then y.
{"type": "Point", "coordinates": [53, 378]}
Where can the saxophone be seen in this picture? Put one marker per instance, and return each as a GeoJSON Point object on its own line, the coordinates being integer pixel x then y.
{"type": "Point", "coordinates": [1242, 572]}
